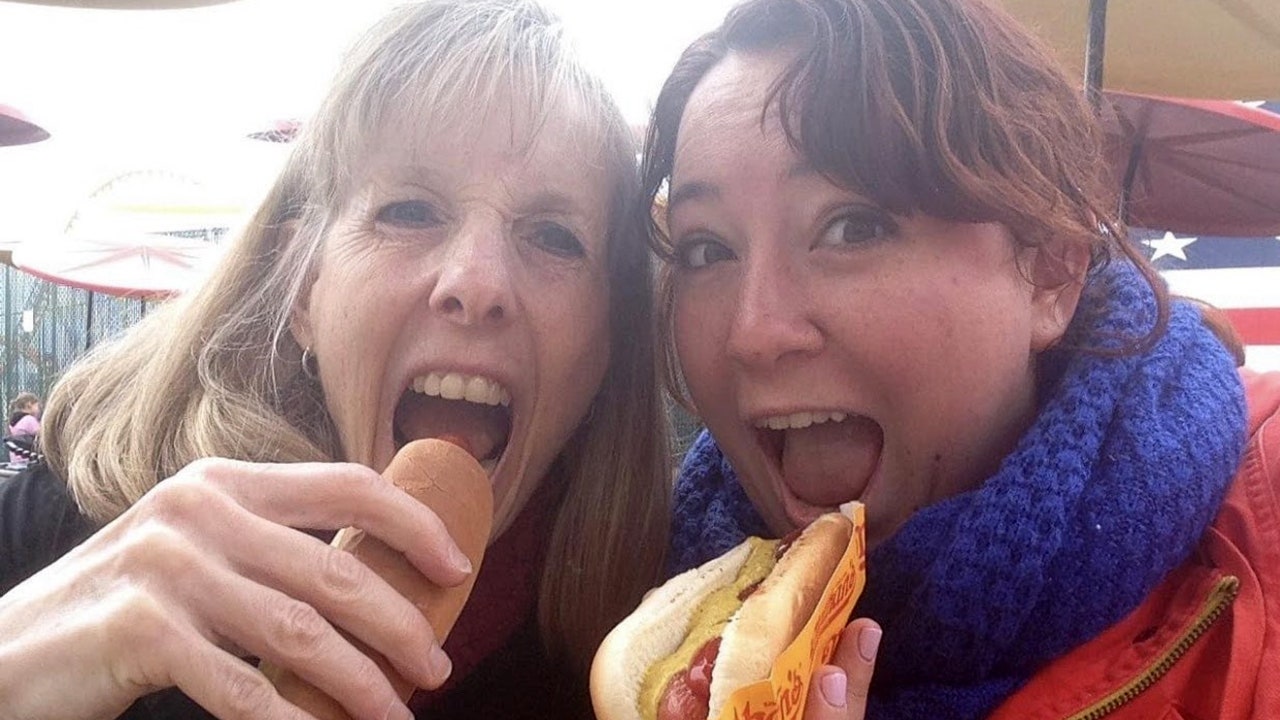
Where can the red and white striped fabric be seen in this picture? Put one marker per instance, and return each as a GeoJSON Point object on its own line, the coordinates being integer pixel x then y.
{"type": "Point", "coordinates": [1239, 275]}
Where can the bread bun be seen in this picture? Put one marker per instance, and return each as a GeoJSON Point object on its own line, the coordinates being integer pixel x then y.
{"type": "Point", "coordinates": [447, 479]}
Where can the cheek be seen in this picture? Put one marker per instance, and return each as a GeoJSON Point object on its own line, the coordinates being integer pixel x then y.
{"type": "Point", "coordinates": [698, 329]}
{"type": "Point", "coordinates": [355, 321]}
{"type": "Point", "coordinates": [573, 335]}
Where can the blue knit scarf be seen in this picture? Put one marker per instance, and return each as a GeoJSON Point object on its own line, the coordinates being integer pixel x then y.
{"type": "Point", "coordinates": [1110, 489]}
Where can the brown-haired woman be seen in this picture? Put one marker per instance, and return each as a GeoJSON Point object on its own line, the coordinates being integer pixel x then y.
{"type": "Point", "coordinates": [894, 275]}
{"type": "Point", "coordinates": [448, 250]}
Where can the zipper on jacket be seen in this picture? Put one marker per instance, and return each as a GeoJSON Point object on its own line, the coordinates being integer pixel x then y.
{"type": "Point", "coordinates": [1220, 597]}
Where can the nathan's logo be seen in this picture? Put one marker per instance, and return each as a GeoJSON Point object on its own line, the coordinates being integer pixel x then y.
{"type": "Point", "coordinates": [850, 582]}
{"type": "Point", "coordinates": [767, 711]}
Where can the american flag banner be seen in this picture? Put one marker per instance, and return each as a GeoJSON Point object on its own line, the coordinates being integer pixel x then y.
{"type": "Point", "coordinates": [1239, 275]}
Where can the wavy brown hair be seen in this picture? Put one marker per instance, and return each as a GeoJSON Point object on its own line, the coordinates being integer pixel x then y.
{"type": "Point", "coordinates": [943, 107]}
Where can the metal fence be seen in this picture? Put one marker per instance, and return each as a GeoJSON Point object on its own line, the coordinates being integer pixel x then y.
{"type": "Point", "coordinates": [48, 326]}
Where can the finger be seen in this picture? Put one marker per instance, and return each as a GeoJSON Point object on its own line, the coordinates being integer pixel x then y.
{"type": "Point", "coordinates": [224, 685]}
{"type": "Point", "coordinates": [828, 698]}
{"type": "Point", "coordinates": [335, 495]}
{"type": "Point", "coordinates": [292, 634]}
{"type": "Point", "coordinates": [839, 691]}
{"type": "Point", "coordinates": [346, 592]}
{"type": "Point", "coordinates": [856, 655]}
{"type": "Point", "coordinates": [231, 689]}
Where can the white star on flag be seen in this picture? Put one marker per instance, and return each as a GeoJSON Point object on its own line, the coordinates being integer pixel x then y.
{"type": "Point", "coordinates": [1169, 245]}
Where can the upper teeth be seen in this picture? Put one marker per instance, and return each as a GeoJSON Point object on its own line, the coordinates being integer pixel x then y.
{"type": "Point", "coordinates": [799, 420]}
{"type": "Point", "coordinates": [456, 386]}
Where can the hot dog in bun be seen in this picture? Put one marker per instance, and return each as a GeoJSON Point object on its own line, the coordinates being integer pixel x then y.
{"type": "Point", "coordinates": [711, 630]}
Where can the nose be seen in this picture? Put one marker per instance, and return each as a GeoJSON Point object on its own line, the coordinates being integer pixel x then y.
{"type": "Point", "coordinates": [475, 284]}
{"type": "Point", "coordinates": [772, 320]}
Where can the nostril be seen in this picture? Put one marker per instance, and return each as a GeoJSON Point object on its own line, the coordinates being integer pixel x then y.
{"type": "Point", "coordinates": [496, 313]}
{"type": "Point", "coordinates": [452, 304]}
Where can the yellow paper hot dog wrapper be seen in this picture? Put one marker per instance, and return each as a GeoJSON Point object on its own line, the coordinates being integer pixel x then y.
{"type": "Point", "coordinates": [783, 695]}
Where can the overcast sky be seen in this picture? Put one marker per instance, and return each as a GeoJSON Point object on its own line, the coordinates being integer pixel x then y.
{"type": "Point", "coordinates": [177, 90]}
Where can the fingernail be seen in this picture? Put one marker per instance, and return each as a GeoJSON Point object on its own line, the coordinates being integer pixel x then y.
{"type": "Point", "coordinates": [441, 665]}
{"type": "Point", "coordinates": [398, 711]}
{"type": "Point", "coordinates": [833, 687]}
{"type": "Point", "coordinates": [460, 561]}
{"type": "Point", "coordinates": [868, 643]}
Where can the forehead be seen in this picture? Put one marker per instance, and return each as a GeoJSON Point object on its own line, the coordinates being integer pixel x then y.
{"type": "Point", "coordinates": [500, 140]}
{"type": "Point", "coordinates": [726, 105]}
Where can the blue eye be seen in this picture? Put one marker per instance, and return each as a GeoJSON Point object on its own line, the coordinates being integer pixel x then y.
{"type": "Point", "coordinates": [410, 213]}
{"type": "Point", "coordinates": [558, 240]}
{"type": "Point", "coordinates": [701, 253]}
{"type": "Point", "coordinates": [857, 228]}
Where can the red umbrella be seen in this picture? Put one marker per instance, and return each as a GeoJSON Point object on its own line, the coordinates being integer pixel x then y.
{"type": "Point", "coordinates": [18, 129]}
{"type": "Point", "coordinates": [128, 4]}
{"type": "Point", "coordinates": [1199, 167]}
{"type": "Point", "coordinates": [280, 131]}
{"type": "Point", "coordinates": [145, 266]}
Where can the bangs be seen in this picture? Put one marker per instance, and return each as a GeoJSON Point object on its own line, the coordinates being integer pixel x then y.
{"type": "Point", "coordinates": [516, 96]}
{"type": "Point", "coordinates": [455, 68]}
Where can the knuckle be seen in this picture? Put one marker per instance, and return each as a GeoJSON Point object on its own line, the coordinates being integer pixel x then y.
{"type": "Point", "coordinates": [858, 691]}
{"type": "Point", "coordinates": [365, 479]}
{"type": "Point", "coordinates": [135, 618]}
{"type": "Point", "coordinates": [172, 550]}
{"type": "Point", "coordinates": [246, 692]}
{"type": "Point", "coordinates": [341, 575]}
{"type": "Point", "coordinates": [210, 468]}
{"type": "Point", "coordinates": [412, 631]}
{"type": "Point", "coordinates": [179, 498]}
{"type": "Point", "coordinates": [299, 630]}
{"type": "Point", "coordinates": [367, 679]}
{"type": "Point", "coordinates": [157, 550]}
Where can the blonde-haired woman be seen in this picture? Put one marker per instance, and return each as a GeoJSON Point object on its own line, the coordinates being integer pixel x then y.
{"type": "Point", "coordinates": [455, 214]}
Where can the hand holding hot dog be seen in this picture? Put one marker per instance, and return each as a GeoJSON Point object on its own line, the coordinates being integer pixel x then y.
{"type": "Point", "coordinates": [208, 567]}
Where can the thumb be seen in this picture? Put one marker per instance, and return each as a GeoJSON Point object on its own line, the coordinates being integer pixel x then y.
{"type": "Point", "coordinates": [840, 690]}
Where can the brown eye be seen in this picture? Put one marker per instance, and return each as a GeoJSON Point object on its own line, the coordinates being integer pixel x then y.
{"type": "Point", "coordinates": [857, 228]}
{"type": "Point", "coordinates": [695, 254]}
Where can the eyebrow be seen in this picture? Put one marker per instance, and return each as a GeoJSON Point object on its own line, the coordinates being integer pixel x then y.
{"type": "Point", "coordinates": [554, 201]}
{"type": "Point", "coordinates": [701, 190]}
{"type": "Point", "coordinates": [690, 191]}
{"type": "Point", "coordinates": [545, 201]}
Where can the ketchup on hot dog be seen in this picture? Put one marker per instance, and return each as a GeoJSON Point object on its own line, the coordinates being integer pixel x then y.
{"type": "Point", "coordinates": [688, 694]}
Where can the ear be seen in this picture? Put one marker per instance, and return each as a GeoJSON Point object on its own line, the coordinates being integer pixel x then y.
{"type": "Point", "coordinates": [300, 321]}
{"type": "Point", "coordinates": [1057, 271]}
{"type": "Point", "coordinates": [300, 324]}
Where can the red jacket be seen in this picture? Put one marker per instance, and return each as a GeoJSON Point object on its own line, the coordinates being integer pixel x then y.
{"type": "Point", "coordinates": [1206, 643]}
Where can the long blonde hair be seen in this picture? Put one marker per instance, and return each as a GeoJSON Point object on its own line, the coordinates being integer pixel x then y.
{"type": "Point", "coordinates": [217, 373]}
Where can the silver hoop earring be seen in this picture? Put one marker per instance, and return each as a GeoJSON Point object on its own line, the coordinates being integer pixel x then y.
{"type": "Point", "coordinates": [310, 365]}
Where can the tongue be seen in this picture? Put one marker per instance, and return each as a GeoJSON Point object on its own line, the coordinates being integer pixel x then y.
{"type": "Point", "coordinates": [483, 427]}
{"type": "Point", "coordinates": [831, 463]}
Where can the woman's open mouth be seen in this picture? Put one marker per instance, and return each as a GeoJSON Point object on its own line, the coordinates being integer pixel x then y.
{"type": "Point", "coordinates": [822, 458]}
{"type": "Point", "coordinates": [472, 408]}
